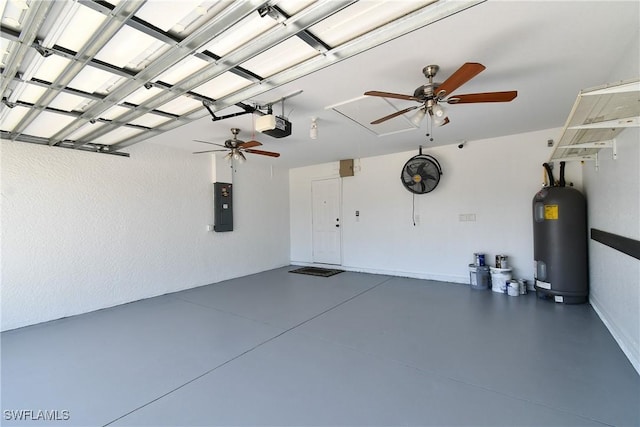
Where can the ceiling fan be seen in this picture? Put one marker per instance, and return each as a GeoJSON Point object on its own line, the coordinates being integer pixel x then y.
{"type": "Point", "coordinates": [237, 147]}
{"type": "Point", "coordinates": [431, 94]}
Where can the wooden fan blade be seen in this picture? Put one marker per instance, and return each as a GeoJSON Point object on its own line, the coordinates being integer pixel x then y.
{"type": "Point", "coordinates": [208, 151]}
{"type": "Point", "coordinates": [465, 73]}
{"type": "Point", "coordinates": [396, 114]}
{"type": "Point", "coordinates": [263, 153]}
{"type": "Point", "coordinates": [484, 97]}
{"type": "Point", "coordinates": [207, 142]}
{"type": "Point", "coordinates": [391, 95]}
{"type": "Point", "coordinates": [249, 144]}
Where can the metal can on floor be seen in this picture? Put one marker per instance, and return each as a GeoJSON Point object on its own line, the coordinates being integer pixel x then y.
{"type": "Point", "coordinates": [502, 261]}
{"type": "Point", "coordinates": [523, 286]}
{"type": "Point", "coordinates": [513, 288]}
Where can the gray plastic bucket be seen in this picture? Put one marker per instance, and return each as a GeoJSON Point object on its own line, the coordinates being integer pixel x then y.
{"type": "Point", "coordinates": [482, 277]}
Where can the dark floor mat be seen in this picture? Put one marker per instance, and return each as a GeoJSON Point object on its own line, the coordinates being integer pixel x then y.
{"type": "Point", "coordinates": [316, 271]}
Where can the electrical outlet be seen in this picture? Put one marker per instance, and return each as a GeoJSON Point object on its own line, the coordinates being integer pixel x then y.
{"type": "Point", "coordinates": [209, 227]}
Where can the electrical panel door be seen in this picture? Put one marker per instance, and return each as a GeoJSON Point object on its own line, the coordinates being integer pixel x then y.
{"type": "Point", "coordinates": [223, 206]}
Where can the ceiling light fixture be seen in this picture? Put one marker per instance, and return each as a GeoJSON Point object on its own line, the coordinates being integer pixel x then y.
{"type": "Point", "coordinates": [313, 132]}
{"type": "Point", "coordinates": [418, 117]}
{"type": "Point", "coordinates": [238, 156]}
{"type": "Point", "coordinates": [439, 115]}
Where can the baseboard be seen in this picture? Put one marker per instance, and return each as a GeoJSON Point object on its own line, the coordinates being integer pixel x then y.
{"type": "Point", "coordinates": [618, 335]}
{"type": "Point", "coordinates": [413, 275]}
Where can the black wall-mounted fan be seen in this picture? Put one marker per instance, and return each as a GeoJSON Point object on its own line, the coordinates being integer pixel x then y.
{"type": "Point", "coordinates": [421, 173]}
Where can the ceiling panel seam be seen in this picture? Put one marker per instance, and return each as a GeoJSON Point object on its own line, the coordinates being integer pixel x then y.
{"type": "Point", "coordinates": [98, 97]}
{"type": "Point", "coordinates": [9, 33]}
{"type": "Point", "coordinates": [237, 70]}
{"type": "Point", "coordinates": [78, 113]}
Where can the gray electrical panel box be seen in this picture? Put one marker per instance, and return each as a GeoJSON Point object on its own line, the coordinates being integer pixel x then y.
{"type": "Point", "coordinates": [222, 206]}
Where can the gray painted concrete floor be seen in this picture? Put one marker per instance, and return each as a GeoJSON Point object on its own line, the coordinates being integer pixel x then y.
{"type": "Point", "coordinates": [277, 349]}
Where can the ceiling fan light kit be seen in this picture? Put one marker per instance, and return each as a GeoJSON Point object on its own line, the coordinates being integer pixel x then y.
{"type": "Point", "coordinates": [432, 94]}
{"type": "Point", "coordinates": [235, 155]}
{"type": "Point", "coordinates": [418, 117]}
{"type": "Point", "coordinates": [439, 115]}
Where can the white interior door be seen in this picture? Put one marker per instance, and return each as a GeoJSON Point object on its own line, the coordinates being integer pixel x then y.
{"type": "Point", "coordinates": [327, 227]}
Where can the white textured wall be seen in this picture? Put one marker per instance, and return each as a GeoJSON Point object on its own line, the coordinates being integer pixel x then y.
{"type": "Point", "coordinates": [83, 231]}
{"type": "Point", "coordinates": [613, 196]}
{"type": "Point", "coordinates": [494, 179]}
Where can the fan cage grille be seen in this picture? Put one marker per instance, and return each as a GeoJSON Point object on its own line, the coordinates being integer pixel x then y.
{"type": "Point", "coordinates": [421, 174]}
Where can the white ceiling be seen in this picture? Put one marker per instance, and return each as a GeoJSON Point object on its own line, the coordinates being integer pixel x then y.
{"type": "Point", "coordinates": [546, 50]}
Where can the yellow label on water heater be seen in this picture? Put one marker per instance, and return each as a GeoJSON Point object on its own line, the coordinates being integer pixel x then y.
{"type": "Point", "coordinates": [550, 211]}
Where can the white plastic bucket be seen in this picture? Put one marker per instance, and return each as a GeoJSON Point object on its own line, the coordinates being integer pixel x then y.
{"type": "Point", "coordinates": [499, 279]}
